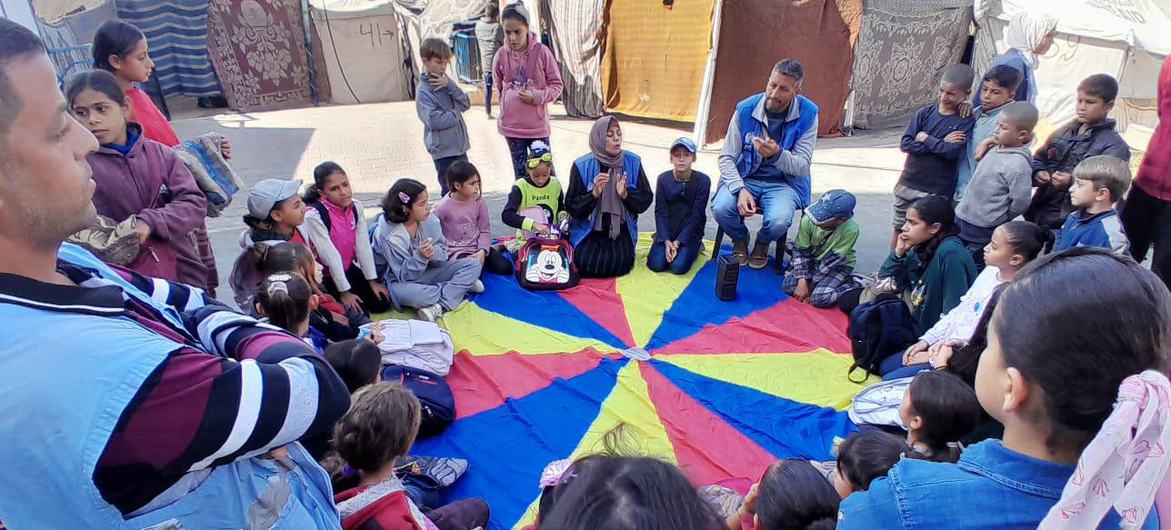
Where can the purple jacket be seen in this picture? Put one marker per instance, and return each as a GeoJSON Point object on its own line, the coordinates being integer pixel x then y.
{"type": "Point", "coordinates": [150, 182]}
{"type": "Point", "coordinates": [515, 72]}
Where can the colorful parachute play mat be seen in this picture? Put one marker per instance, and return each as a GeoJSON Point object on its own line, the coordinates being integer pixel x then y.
{"type": "Point", "coordinates": [723, 389]}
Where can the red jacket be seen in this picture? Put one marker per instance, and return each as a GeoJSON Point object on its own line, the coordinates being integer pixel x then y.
{"type": "Point", "coordinates": [389, 512]}
{"type": "Point", "coordinates": [150, 182]}
{"type": "Point", "coordinates": [1154, 175]}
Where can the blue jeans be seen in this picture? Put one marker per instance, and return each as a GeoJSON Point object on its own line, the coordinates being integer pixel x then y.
{"type": "Point", "coordinates": [775, 200]}
{"type": "Point", "coordinates": [657, 259]}
{"type": "Point", "coordinates": [488, 91]}
{"type": "Point", "coordinates": [441, 165]}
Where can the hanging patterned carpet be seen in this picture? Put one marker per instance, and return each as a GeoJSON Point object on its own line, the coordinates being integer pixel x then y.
{"type": "Point", "coordinates": [722, 389]}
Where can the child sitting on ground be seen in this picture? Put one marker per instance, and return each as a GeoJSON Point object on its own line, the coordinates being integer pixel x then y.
{"type": "Point", "coordinates": [865, 456]}
{"type": "Point", "coordinates": [1014, 245]}
{"type": "Point", "coordinates": [379, 428]}
{"type": "Point", "coordinates": [358, 362]}
{"type": "Point", "coordinates": [336, 227]}
{"type": "Point", "coordinates": [440, 103]}
{"type": "Point", "coordinates": [538, 191]}
{"type": "Point", "coordinates": [1098, 184]}
{"type": "Point", "coordinates": [998, 89]}
{"type": "Point", "coordinates": [824, 258]}
{"type": "Point", "coordinates": [285, 301]}
{"type": "Point", "coordinates": [463, 214]}
{"type": "Point", "coordinates": [1001, 186]}
{"type": "Point", "coordinates": [937, 410]}
{"type": "Point", "coordinates": [792, 495]}
{"type": "Point", "coordinates": [934, 142]}
{"type": "Point", "coordinates": [625, 492]}
{"type": "Point", "coordinates": [680, 212]}
{"type": "Point", "coordinates": [1079, 388]}
{"type": "Point", "coordinates": [411, 242]}
{"type": "Point", "coordinates": [331, 318]}
{"type": "Point", "coordinates": [275, 212]}
{"type": "Point", "coordinates": [1090, 134]}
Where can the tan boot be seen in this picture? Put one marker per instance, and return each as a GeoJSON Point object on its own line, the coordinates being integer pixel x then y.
{"type": "Point", "coordinates": [759, 257]}
{"type": "Point", "coordinates": [740, 252]}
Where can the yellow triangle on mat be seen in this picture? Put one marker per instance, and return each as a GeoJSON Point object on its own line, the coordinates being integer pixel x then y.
{"type": "Point", "coordinates": [646, 294]}
{"type": "Point", "coordinates": [628, 420]}
{"type": "Point", "coordinates": [816, 377]}
{"type": "Point", "coordinates": [483, 332]}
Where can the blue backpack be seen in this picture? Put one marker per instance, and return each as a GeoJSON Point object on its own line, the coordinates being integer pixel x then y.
{"type": "Point", "coordinates": [878, 329]}
{"type": "Point", "coordinates": [435, 397]}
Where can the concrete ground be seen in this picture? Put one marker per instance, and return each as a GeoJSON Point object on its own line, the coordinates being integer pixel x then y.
{"type": "Point", "coordinates": [380, 143]}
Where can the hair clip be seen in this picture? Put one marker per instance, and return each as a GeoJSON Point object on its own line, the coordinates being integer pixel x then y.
{"type": "Point", "coordinates": [277, 287]}
{"type": "Point", "coordinates": [402, 196]}
{"type": "Point", "coordinates": [555, 473]}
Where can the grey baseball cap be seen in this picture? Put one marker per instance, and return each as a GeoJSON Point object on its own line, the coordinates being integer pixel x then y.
{"type": "Point", "coordinates": [266, 193]}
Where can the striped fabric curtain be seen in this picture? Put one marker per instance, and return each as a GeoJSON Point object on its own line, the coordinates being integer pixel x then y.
{"type": "Point", "coordinates": [177, 33]}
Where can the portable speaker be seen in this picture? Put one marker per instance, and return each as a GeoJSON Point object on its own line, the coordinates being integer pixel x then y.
{"type": "Point", "coordinates": [727, 274]}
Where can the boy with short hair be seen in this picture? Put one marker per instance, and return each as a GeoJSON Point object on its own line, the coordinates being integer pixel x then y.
{"type": "Point", "coordinates": [440, 104]}
{"type": "Point", "coordinates": [934, 143]}
{"type": "Point", "coordinates": [822, 269]}
{"type": "Point", "coordinates": [536, 201]}
{"type": "Point", "coordinates": [1002, 185]}
{"type": "Point", "coordinates": [680, 212]}
{"type": "Point", "coordinates": [997, 89]}
{"type": "Point", "coordinates": [1090, 134]}
{"type": "Point", "coordinates": [1098, 183]}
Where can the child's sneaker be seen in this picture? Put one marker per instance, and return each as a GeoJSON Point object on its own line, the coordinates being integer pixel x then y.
{"type": "Point", "coordinates": [431, 313]}
{"type": "Point", "coordinates": [477, 287]}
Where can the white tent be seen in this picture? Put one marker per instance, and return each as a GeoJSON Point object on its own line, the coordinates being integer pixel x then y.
{"type": "Point", "coordinates": [362, 45]}
{"type": "Point", "coordinates": [1124, 38]}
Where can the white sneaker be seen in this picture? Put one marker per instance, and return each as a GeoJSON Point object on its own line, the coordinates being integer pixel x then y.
{"type": "Point", "coordinates": [477, 287]}
{"type": "Point", "coordinates": [431, 313]}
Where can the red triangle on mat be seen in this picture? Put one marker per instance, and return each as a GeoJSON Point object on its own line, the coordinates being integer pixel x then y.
{"type": "Point", "coordinates": [706, 447]}
{"type": "Point", "coordinates": [484, 382]}
{"type": "Point", "coordinates": [789, 326]}
{"type": "Point", "coordinates": [599, 299]}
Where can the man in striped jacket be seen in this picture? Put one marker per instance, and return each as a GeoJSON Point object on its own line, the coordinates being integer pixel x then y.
{"type": "Point", "coordinates": [133, 402]}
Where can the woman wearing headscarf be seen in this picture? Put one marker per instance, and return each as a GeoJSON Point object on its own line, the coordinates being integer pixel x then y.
{"type": "Point", "coordinates": [1028, 35]}
{"type": "Point", "coordinates": [607, 190]}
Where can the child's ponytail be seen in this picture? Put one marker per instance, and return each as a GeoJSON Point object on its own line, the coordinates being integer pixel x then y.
{"type": "Point", "coordinates": [1026, 239]}
{"type": "Point", "coordinates": [284, 298]}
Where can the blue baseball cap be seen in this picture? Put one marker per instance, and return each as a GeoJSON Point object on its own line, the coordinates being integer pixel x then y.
{"type": "Point", "coordinates": [685, 142]}
{"type": "Point", "coordinates": [833, 204]}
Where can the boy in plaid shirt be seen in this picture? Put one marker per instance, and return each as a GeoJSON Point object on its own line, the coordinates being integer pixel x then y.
{"type": "Point", "coordinates": [823, 263]}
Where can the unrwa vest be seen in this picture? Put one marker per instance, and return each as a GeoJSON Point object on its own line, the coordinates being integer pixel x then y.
{"type": "Point", "coordinates": [750, 160]}
{"type": "Point", "coordinates": [90, 366]}
{"type": "Point", "coordinates": [589, 167]}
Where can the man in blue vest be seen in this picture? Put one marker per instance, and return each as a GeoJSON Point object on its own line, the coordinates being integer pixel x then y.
{"type": "Point", "coordinates": [132, 402]}
{"type": "Point", "coordinates": [764, 166]}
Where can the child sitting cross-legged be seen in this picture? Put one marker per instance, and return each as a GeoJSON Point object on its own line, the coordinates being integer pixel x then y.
{"type": "Point", "coordinates": [410, 240]}
{"type": "Point", "coordinates": [1098, 183]}
{"type": "Point", "coordinates": [937, 410]}
{"type": "Point", "coordinates": [380, 427]}
{"type": "Point", "coordinates": [463, 214]}
{"type": "Point", "coordinates": [823, 254]}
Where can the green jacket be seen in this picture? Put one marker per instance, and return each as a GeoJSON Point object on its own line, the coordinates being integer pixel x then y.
{"type": "Point", "coordinates": [937, 287]}
{"type": "Point", "coordinates": [821, 242]}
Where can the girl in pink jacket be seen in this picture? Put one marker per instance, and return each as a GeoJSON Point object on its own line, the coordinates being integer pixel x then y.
{"type": "Point", "coordinates": [529, 80]}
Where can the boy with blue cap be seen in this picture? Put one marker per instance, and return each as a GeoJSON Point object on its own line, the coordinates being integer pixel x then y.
{"type": "Point", "coordinates": [822, 269]}
{"type": "Point", "coordinates": [680, 212]}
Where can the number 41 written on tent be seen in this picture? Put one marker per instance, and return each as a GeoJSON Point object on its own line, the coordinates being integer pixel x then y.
{"type": "Point", "coordinates": [375, 31]}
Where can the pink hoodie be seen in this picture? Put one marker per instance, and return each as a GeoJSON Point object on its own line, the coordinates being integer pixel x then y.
{"type": "Point", "coordinates": [515, 72]}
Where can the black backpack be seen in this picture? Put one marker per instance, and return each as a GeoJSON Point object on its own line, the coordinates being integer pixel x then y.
{"type": "Point", "coordinates": [878, 329]}
{"type": "Point", "coordinates": [435, 397]}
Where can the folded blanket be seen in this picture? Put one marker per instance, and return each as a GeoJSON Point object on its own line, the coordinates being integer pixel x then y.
{"type": "Point", "coordinates": [111, 242]}
{"type": "Point", "coordinates": [205, 158]}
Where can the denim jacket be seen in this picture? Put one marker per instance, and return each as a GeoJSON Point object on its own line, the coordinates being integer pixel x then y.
{"type": "Point", "coordinates": [990, 487]}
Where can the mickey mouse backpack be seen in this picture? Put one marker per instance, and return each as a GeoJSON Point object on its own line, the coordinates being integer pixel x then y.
{"type": "Point", "coordinates": [545, 263]}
